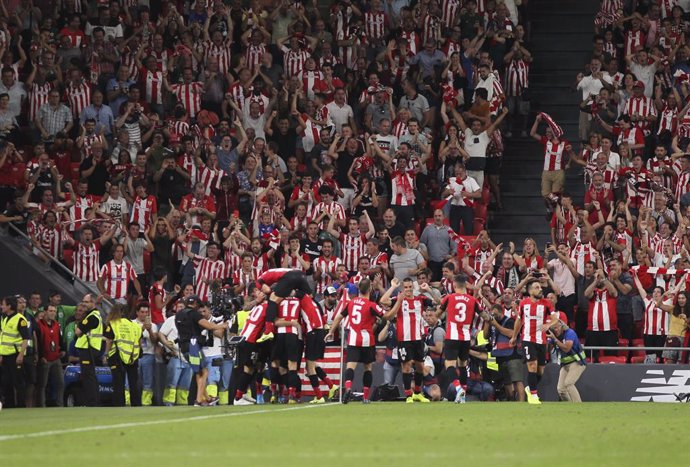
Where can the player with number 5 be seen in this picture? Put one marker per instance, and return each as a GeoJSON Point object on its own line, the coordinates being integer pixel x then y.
{"type": "Point", "coordinates": [361, 343]}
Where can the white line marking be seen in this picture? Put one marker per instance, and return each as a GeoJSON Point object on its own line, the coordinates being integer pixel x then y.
{"type": "Point", "coordinates": [41, 434]}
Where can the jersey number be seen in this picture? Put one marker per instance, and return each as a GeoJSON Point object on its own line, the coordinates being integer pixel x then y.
{"type": "Point", "coordinates": [461, 310]}
{"type": "Point", "coordinates": [356, 314]}
{"type": "Point", "coordinates": [290, 309]}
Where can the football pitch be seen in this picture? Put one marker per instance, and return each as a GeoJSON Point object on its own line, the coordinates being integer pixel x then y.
{"type": "Point", "coordinates": [353, 435]}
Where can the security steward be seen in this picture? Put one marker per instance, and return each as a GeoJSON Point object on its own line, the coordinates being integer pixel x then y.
{"type": "Point", "coordinates": [89, 343]}
{"type": "Point", "coordinates": [14, 340]}
{"type": "Point", "coordinates": [122, 337]}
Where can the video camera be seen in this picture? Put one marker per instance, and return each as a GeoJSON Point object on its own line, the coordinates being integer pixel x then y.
{"type": "Point", "coordinates": [224, 302]}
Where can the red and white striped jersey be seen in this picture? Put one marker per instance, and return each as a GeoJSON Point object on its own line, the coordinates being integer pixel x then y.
{"type": "Point", "coordinates": [375, 25]}
{"type": "Point", "coordinates": [656, 320]}
{"type": "Point", "coordinates": [152, 81]}
{"type": "Point", "coordinates": [209, 177]}
{"type": "Point", "coordinates": [253, 56]}
{"type": "Point", "coordinates": [581, 254]}
{"type": "Point", "coordinates": [460, 311]}
{"type": "Point", "coordinates": [293, 62]}
{"type": "Point", "coordinates": [310, 80]}
{"type": "Point", "coordinates": [399, 129]}
{"type": "Point", "coordinates": [189, 95]}
{"type": "Point", "coordinates": [409, 319]}
{"type": "Point", "coordinates": [51, 240]}
{"type": "Point", "coordinates": [221, 52]}
{"type": "Point", "coordinates": [349, 53]}
{"type": "Point", "coordinates": [402, 188]}
{"type": "Point", "coordinates": [161, 57]}
{"type": "Point", "coordinates": [178, 127]}
{"type": "Point", "coordinates": [633, 40]}
{"type": "Point", "coordinates": [638, 185]}
{"type": "Point", "coordinates": [657, 166]}
{"type": "Point", "coordinates": [254, 325]}
{"type": "Point", "coordinates": [553, 154]}
{"type": "Point", "coordinates": [447, 286]}
{"type": "Point", "coordinates": [534, 315]}
{"type": "Point", "coordinates": [238, 93]}
{"type": "Point", "coordinates": [289, 310]}
{"type": "Point", "coordinates": [682, 184]}
{"type": "Point", "coordinates": [643, 106]}
{"type": "Point", "coordinates": [143, 211]}
{"type": "Point", "coordinates": [78, 96]}
{"type": "Point", "coordinates": [261, 263]}
{"type": "Point", "coordinates": [334, 208]}
{"type": "Point", "coordinates": [351, 249]}
{"type": "Point", "coordinates": [602, 312]}
{"type": "Point", "coordinates": [190, 202]}
{"type": "Point", "coordinates": [478, 256]}
{"type": "Point", "coordinates": [449, 10]}
{"type": "Point", "coordinates": [327, 266]}
{"type": "Point", "coordinates": [116, 278]}
{"type": "Point", "coordinates": [87, 261]}
{"type": "Point", "coordinates": [668, 119]}
{"type": "Point", "coordinates": [205, 271]}
{"type": "Point", "coordinates": [312, 318]}
{"type": "Point", "coordinates": [431, 28]}
{"type": "Point", "coordinates": [77, 212]}
{"type": "Point", "coordinates": [401, 64]}
{"type": "Point", "coordinates": [362, 314]}
{"type": "Point", "coordinates": [242, 277]}
{"type": "Point", "coordinates": [38, 95]}
{"type": "Point", "coordinates": [517, 77]}
{"type": "Point", "coordinates": [293, 263]}
{"type": "Point", "coordinates": [414, 41]}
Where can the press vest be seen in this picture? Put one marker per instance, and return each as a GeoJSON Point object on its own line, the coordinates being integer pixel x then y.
{"type": "Point", "coordinates": [94, 337]}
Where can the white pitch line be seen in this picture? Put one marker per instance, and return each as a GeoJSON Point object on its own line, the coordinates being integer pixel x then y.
{"type": "Point", "coordinates": [41, 434]}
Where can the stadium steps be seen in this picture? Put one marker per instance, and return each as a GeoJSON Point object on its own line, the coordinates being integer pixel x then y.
{"type": "Point", "coordinates": [561, 43]}
{"type": "Point", "coordinates": [23, 273]}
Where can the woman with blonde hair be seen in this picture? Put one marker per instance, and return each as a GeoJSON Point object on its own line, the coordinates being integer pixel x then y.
{"type": "Point", "coordinates": [122, 349]}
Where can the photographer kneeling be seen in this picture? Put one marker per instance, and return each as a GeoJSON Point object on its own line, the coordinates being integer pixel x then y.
{"type": "Point", "coordinates": [572, 357]}
{"type": "Point", "coordinates": [191, 322]}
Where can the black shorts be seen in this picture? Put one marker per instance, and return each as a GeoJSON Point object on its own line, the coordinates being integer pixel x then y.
{"type": "Point", "coordinates": [286, 348]}
{"type": "Point", "coordinates": [411, 350]}
{"type": "Point", "coordinates": [292, 280]}
{"type": "Point", "coordinates": [452, 349]}
{"type": "Point", "coordinates": [315, 345]}
{"type": "Point", "coordinates": [535, 352]}
{"type": "Point", "coordinates": [364, 355]}
{"type": "Point", "coordinates": [247, 353]}
{"type": "Point", "coordinates": [493, 165]}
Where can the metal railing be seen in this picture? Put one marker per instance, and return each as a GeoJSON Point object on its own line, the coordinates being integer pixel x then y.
{"type": "Point", "coordinates": [57, 262]}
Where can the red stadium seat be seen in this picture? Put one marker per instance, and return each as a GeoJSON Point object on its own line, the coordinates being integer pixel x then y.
{"type": "Point", "coordinates": [623, 343]}
{"type": "Point", "coordinates": [479, 224]}
{"type": "Point", "coordinates": [612, 359]}
{"type": "Point", "coordinates": [486, 196]}
{"type": "Point", "coordinates": [480, 211]}
{"type": "Point", "coordinates": [638, 359]}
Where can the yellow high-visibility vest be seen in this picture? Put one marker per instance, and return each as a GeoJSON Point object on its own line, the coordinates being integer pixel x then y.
{"type": "Point", "coordinates": [10, 338]}
{"type": "Point", "coordinates": [126, 342]}
{"type": "Point", "coordinates": [94, 337]}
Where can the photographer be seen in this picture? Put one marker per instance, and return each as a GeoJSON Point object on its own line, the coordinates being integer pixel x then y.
{"type": "Point", "coordinates": [498, 328]}
{"type": "Point", "coordinates": [572, 358]}
{"type": "Point", "coordinates": [214, 363]}
{"type": "Point", "coordinates": [178, 371]}
{"type": "Point", "coordinates": [190, 322]}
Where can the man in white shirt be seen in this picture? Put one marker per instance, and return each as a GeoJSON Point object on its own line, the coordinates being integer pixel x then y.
{"type": "Point", "coordinates": [564, 273]}
{"type": "Point", "coordinates": [476, 142]}
{"type": "Point", "coordinates": [147, 361]}
{"type": "Point", "coordinates": [463, 190]}
{"type": "Point", "coordinates": [114, 205]}
{"type": "Point", "coordinates": [178, 371]}
{"type": "Point", "coordinates": [590, 86]}
{"type": "Point", "coordinates": [341, 113]}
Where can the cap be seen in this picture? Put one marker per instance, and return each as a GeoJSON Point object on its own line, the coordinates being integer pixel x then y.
{"type": "Point", "coordinates": [191, 300]}
{"type": "Point", "coordinates": [638, 84]}
{"type": "Point", "coordinates": [331, 291]}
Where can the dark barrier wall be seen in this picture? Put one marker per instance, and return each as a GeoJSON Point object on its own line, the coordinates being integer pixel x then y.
{"type": "Point", "coordinates": [622, 383]}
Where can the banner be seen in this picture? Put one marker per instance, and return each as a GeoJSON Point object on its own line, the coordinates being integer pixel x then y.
{"type": "Point", "coordinates": [622, 383]}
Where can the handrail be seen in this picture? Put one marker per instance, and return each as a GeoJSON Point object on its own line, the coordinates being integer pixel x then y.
{"type": "Point", "coordinates": [56, 261]}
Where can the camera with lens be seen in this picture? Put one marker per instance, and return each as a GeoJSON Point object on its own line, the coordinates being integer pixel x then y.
{"type": "Point", "coordinates": [224, 302]}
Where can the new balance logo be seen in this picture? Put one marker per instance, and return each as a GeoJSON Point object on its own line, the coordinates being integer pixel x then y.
{"type": "Point", "coordinates": [657, 388]}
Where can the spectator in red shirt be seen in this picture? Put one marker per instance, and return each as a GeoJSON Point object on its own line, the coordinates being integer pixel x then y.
{"type": "Point", "coordinates": [49, 354]}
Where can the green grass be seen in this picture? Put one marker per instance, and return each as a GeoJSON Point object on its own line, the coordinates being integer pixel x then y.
{"type": "Point", "coordinates": [355, 435]}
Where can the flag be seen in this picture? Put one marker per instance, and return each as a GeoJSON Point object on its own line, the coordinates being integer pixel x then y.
{"type": "Point", "coordinates": [557, 130]}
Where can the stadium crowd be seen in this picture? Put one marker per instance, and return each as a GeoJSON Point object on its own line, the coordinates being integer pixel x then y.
{"type": "Point", "coordinates": [170, 153]}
